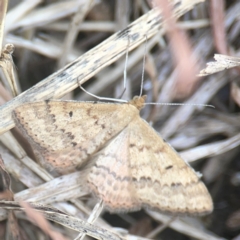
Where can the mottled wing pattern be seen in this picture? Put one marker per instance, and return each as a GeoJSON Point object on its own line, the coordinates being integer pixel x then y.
{"type": "Point", "coordinates": [110, 177]}
{"type": "Point", "coordinates": [138, 169]}
{"type": "Point", "coordinates": [134, 168]}
{"type": "Point", "coordinates": [64, 134]}
{"type": "Point", "coordinates": [167, 181]}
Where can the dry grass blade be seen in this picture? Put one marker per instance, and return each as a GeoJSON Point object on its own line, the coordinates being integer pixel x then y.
{"type": "Point", "coordinates": [8, 140]}
{"type": "Point", "coordinates": [44, 15]}
{"type": "Point", "coordinates": [63, 219]}
{"type": "Point", "coordinates": [7, 66]}
{"type": "Point", "coordinates": [222, 62]}
{"type": "Point", "coordinates": [211, 149]}
{"type": "Point", "coordinates": [182, 226]}
{"type": "Point", "coordinates": [203, 95]}
{"type": "Point", "coordinates": [73, 31]}
{"type": "Point", "coordinates": [92, 218]}
{"type": "Point", "coordinates": [57, 190]}
{"type": "Point", "coordinates": [3, 10]}
{"type": "Point", "coordinates": [19, 170]}
{"type": "Point", "coordinates": [18, 12]}
{"type": "Point", "coordinates": [81, 226]}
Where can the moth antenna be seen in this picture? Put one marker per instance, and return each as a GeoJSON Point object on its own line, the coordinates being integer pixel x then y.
{"type": "Point", "coordinates": [124, 83]}
{"type": "Point", "coordinates": [125, 69]}
{"type": "Point", "coordinates": [143, 68]}
{"type": "Point", "coordinates": [181, 104]}
{"type": "Point", "coordinates": [102, 98]}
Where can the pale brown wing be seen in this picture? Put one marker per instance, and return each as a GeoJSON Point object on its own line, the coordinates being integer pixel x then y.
{"type": "Point", "coordinates": [138, 169]}
{"type": "Point", "coordinates": [110, 177]}
{"type": "Point", "coordinates": [64, 134]}
{"type": "Point", "coordinates": [162, 179]}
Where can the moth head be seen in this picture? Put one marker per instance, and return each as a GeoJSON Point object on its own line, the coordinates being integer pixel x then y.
{"type": "Point", "coordinates": [138, 102]}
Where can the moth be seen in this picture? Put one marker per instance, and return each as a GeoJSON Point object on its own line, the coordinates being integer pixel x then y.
{"type": "Point", "coordinates": [133, 167]}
